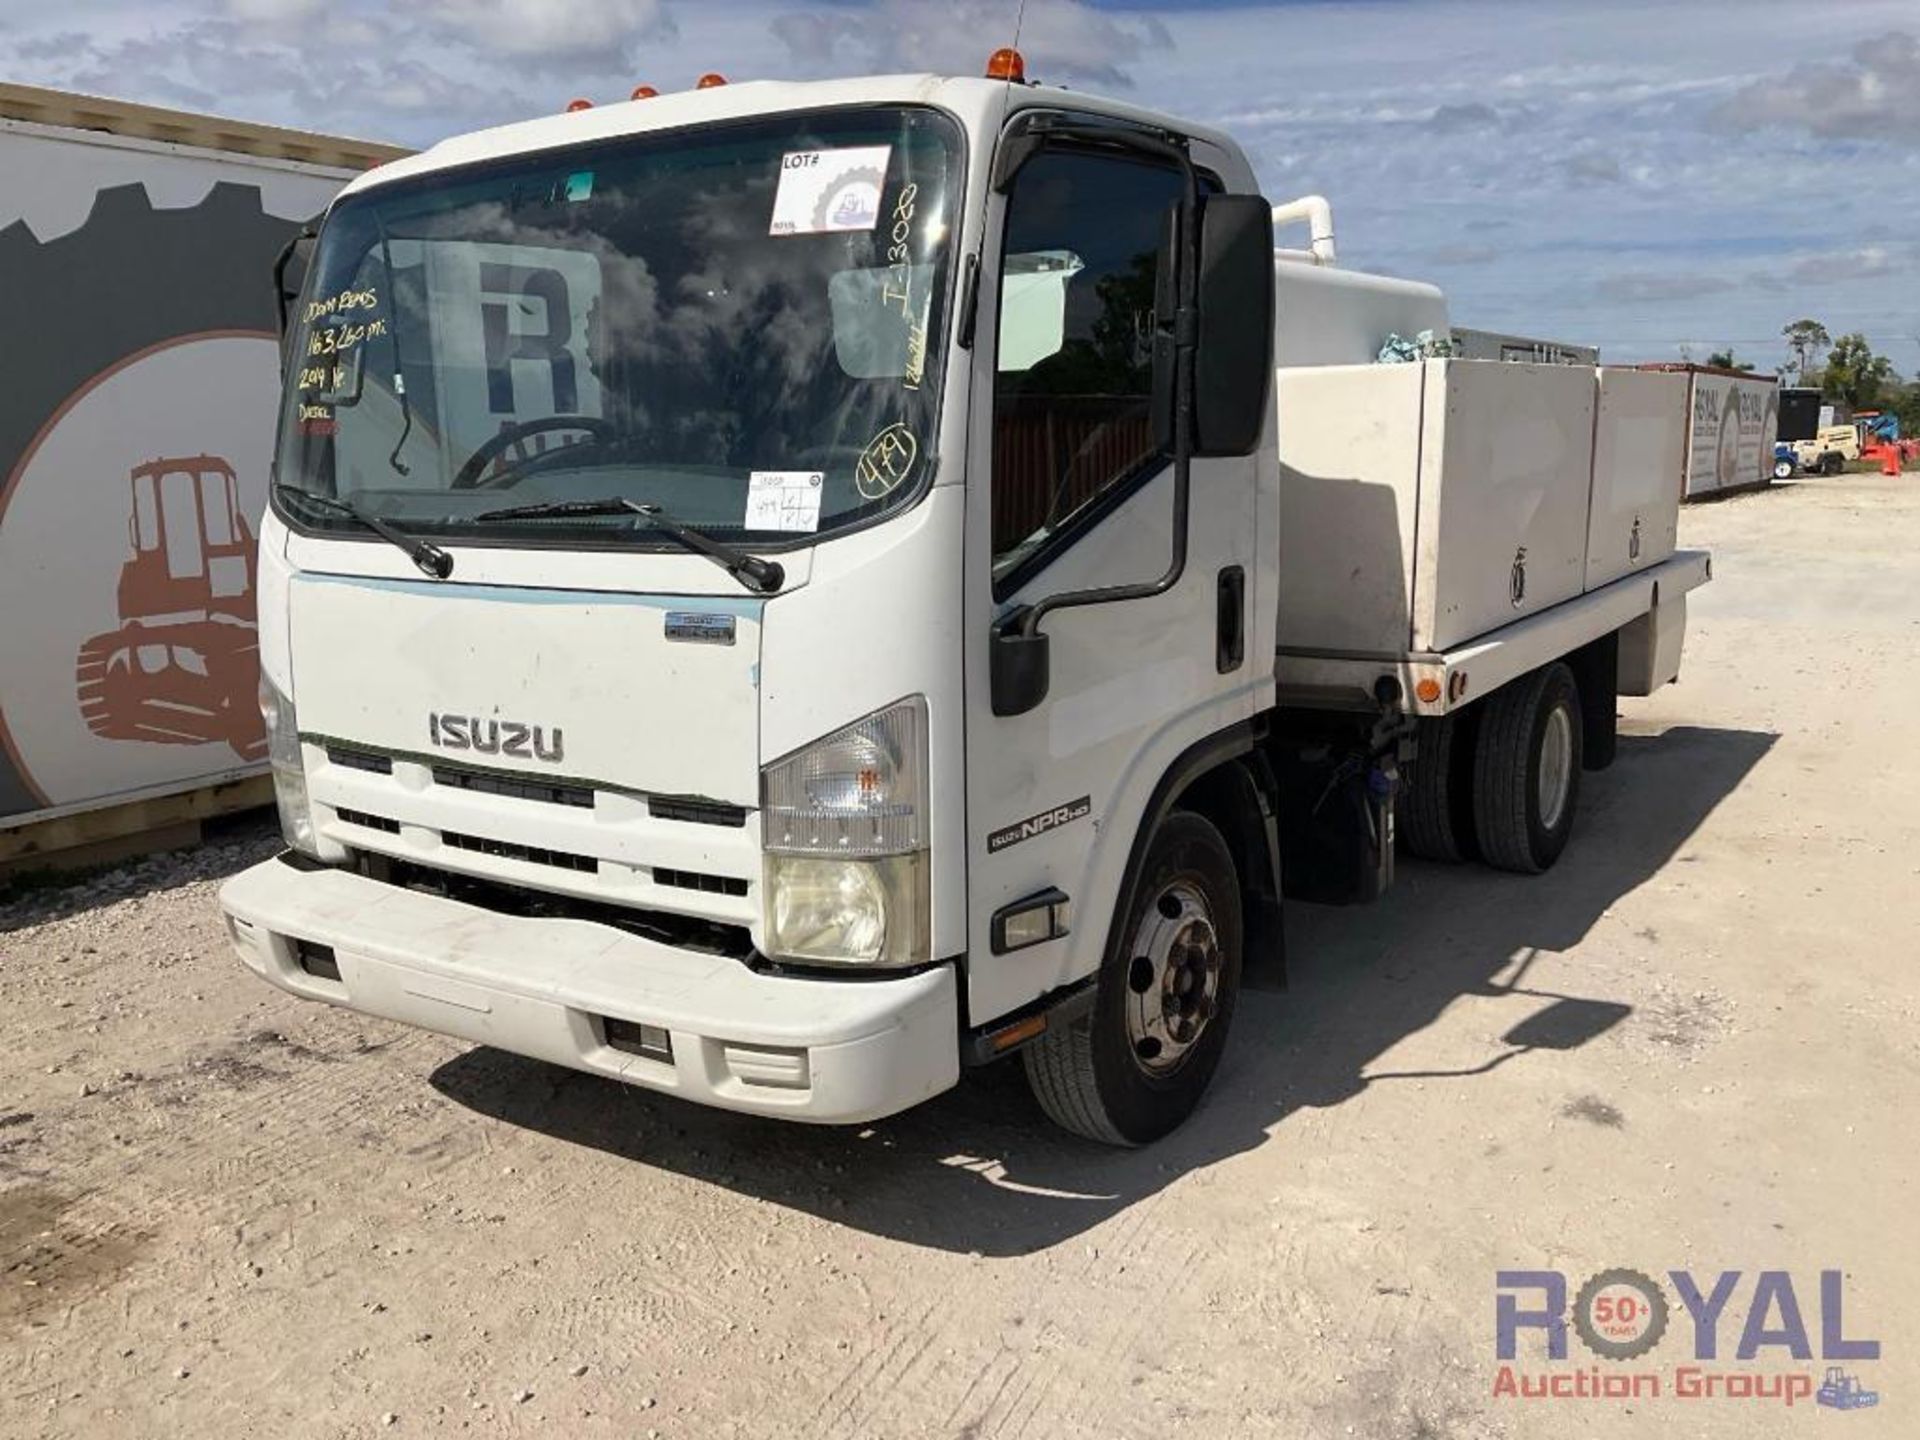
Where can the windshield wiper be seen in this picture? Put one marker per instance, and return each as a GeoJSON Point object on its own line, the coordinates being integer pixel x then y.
{"type": "Point", "coordinates": [763, 576]}
{"type": "Point", "coordinates": [431, 559]}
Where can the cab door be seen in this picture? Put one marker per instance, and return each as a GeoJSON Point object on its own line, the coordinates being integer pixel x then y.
{"type": "Point", "coordinates": [1067, 489]}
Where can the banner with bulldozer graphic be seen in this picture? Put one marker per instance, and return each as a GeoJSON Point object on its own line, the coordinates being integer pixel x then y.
{"type": "Point", "coordinates": [139, 384]}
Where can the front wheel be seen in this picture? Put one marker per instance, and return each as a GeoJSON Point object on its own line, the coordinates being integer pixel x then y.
{"type": "Point", "coordinates": [1130, 1070]}
{"type": "Point", "coordinates": [1783, 469]}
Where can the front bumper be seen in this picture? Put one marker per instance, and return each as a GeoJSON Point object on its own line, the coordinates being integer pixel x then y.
{"type": "Point", "coordinates": [829, 1051]}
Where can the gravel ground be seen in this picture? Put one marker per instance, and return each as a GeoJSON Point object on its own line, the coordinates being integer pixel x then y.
{"type": "Point", "coordinates": [225, 1212]}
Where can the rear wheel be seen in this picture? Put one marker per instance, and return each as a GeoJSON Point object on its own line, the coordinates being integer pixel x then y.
{"type": "Point", "coordinates": [1427, 813]}
{"type": "Point", "coordinates": [1134, 1067]}
{"type": "Point", "coordinates": [1832, 463]}
{"type": "Point", "coordinates": [1526, 771]}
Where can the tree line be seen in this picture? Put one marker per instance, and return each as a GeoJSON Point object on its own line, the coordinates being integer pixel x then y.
{"type": "Point", "coordinates": [1850, 373]}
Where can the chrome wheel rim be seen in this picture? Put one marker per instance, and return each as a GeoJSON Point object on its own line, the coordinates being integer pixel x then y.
{"type": "Point", "coordinates": [1556, 766]}
{"type": "Point", "coordinates": [1173, 979]}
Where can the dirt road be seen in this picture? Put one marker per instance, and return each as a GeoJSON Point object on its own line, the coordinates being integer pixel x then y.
{"type": "Point", "coordinates": [1691, 1046]}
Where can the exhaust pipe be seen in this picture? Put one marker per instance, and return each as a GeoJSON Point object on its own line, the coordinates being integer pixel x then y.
{"type": "Point", "coordinates": [1318, 214]}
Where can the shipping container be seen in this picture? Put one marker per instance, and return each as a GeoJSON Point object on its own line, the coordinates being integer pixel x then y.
{"type": "Point", "coordinates": [1732, 419]}
{"type": "Point", "coordinates": [136, 430]}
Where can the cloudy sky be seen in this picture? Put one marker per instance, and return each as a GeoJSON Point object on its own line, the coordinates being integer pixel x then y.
{"type": "Point", "coordinates": [1646, 175]}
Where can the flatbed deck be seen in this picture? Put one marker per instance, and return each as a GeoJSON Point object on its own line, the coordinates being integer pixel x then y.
{"type": "Point", "coordinates": [1469, 671]}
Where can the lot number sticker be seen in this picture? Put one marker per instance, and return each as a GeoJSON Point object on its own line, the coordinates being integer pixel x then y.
{"type": "Point", "coordinates": [823, 191]}
{"type": "Point", "coordinates": [783, 500]}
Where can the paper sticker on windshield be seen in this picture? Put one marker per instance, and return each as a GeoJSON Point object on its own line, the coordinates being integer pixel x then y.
{"type": "Point", "coordinates": [783, 500]}
{"type": "Point", "coordinates": [822, 191]}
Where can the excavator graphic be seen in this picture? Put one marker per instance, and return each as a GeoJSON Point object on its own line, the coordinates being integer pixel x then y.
{"type": "Point", "coordinates": [183, 668]}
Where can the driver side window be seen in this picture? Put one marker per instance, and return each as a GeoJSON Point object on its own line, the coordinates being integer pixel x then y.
{"type": "Point", "coordinates": [1072, 415]}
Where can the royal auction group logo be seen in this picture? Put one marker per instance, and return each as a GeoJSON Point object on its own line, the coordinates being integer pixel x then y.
{"type": "Point", "coordinates": [1623, 1316]}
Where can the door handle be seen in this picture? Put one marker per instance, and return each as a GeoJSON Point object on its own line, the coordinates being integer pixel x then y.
{"type": "Point", "coordinates": [1230, 626]}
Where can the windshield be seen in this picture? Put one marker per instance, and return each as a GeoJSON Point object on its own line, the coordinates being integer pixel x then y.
{"type": "Point", "coordinates": [739, 324]}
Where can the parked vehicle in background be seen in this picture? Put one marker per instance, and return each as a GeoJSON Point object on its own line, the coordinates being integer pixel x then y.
{"type": "Point", "coordinates": [1800, 411]}
{"type": "Point", "coordinates": [1828, 452]}
{"type": "Point", "coordinates": [141, 342]}
{"type": "Point", "coordinates": [783, 592]}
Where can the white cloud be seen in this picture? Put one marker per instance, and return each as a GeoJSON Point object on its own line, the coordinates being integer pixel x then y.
{"type": "Point", "coordinates": [1634, 288]}
{"type": "Point", "coordinates": [599, 35]}
{"type": "Point", "coordinates": [1874, 97]}
{"type": "Point", "coordinates": [1593, 166]}
{"type": "Point", "coordinates": [1455, 119]}
{"type": "Point", "coordinates": [274, 11]}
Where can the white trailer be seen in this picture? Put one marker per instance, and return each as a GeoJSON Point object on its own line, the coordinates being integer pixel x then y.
{"type": "Point", "coordinates": [780, 593]}
{"type": "Point", "coordinates": [1732, 419]}
{"type": "Point", "coordinates": [136, 430]}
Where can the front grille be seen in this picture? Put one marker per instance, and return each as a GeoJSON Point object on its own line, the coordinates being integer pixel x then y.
{"type": "Point", "coordinates": [371, 822]}
{"type": "Point", "coordinates": [695, 810]}
{"type": "Point", "coordinates": [514, 787]}
{"type": "Point", "coordinates": [684, 932]}
{"type": "Point", "coordinates": [532, 854]}
{"type": "Point", "coordinates": [360, 760]}
{"type": "Point", "coordinates": [694, 880]}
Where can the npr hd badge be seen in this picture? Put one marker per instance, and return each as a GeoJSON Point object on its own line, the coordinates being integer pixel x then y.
{"type": "Point", "coordinates": [1040, 824]}
{"type": "Point", "coordinates": [698, 627]}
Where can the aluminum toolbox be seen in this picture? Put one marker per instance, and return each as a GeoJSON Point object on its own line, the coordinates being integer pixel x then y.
{"type": "Point", "coordinates": [1639, 456]}
{"type": "Point", "coordinates": [1423, 505]}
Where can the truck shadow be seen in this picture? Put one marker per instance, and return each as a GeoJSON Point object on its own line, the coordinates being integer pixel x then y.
{"type": "Point", "coordinates": [981, 1169]}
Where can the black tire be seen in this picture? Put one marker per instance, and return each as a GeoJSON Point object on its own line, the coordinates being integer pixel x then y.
{"type": "Point", "coordinates": [1509, 823]}
{"type": "Point", "coordinates": [1832, 463]}
{"type": "Point", "coordinates": [1427, 811]}
{"type": "Point", "coordinates": [1088, 1076]}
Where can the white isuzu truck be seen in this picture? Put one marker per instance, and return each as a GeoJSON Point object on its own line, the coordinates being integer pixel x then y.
{"type": "Point", "coordinates": [779, 593]}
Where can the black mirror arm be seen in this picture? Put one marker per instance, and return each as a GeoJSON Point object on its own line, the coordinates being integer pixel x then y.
{"type": "Point", "coordinates": [285, 258]}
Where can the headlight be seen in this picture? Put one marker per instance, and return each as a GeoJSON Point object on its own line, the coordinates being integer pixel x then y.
{"type": "Point", "coordinates": [289, 773]}
{"type": "Point", "coordinates": [845, 827]}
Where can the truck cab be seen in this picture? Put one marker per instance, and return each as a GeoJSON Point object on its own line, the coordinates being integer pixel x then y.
{"type": "Point", "coordinates": [770, 596]}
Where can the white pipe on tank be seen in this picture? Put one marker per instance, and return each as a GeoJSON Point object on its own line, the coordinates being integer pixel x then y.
{"type": "Point", "coordinates": [1318, 214]}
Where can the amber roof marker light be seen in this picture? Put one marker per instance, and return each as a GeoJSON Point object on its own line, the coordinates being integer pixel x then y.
{"type": "Point", "coordinates": [709, 80]}
{"type": "Point", "coordinates": [643, 92]}
{"type": "Point", "coordinates": [575, 106]}
{"type": "Point", "coordinates": [1006, 64]}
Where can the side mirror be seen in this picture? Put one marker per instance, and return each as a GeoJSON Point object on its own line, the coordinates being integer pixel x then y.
{"type": "Point", "coordinates": [1018, 667]}
{"type": "Point", "coordinates": [1233, 360]}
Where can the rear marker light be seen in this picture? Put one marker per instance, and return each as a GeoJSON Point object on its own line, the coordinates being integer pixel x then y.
{"type": "Point", "coordinates": [1018, 1033]}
